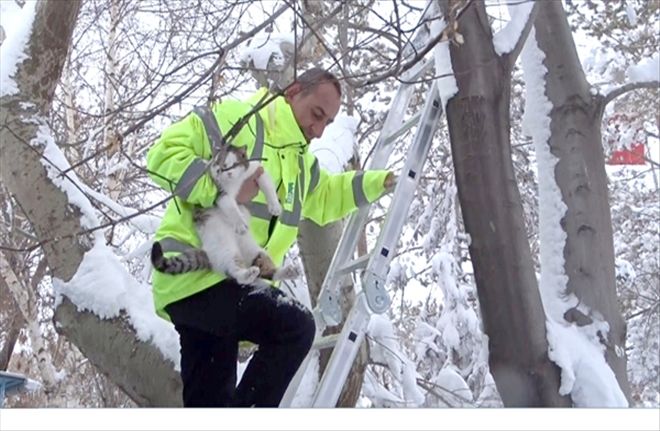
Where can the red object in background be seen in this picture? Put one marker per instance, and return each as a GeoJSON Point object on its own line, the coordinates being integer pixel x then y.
{"type": "Point", "coordinates": [630, 156]}
{"type": "Point", "coordinates": [633, 156]}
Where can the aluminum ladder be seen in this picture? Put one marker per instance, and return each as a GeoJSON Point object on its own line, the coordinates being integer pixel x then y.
{"type": "Point", "coordinates": [373, 267]}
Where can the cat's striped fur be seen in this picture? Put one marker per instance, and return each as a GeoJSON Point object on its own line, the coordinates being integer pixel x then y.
{"type": "Point", "coordinates": [227, 245]}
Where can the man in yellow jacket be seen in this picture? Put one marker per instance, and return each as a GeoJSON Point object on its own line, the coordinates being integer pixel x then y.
{"type": "Point", "coordinates": [211, 312]}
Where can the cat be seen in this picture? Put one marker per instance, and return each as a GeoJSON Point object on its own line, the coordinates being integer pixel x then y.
{"type": "Point", "coordinates": [227, 245]}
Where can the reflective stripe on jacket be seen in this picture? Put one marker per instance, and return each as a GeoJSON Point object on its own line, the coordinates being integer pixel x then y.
{"type": "Point", "coordinates": [305, 190]}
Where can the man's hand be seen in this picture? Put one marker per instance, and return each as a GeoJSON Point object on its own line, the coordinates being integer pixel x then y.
{"type": "Point", "coordinates": [250, 188]}
{"type": "Point", "coordinates": [390, 182]}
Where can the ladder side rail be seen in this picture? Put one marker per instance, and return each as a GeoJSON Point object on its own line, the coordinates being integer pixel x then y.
{"type": "Point", "coordinates": [343, 355]}
{"type": "Point", "coordinates": [328, 296]}
{"type": "Point", "coordinates": [328, 300]}
{"type": "Point", "coordinates": [375, 274]}
{"type": "Point", "coordinates": [294, 384]}
{"type": "Point", "coordinates": [395, 117]}
{"type": "Point", "coordinates": [383, 148]}
{"type": "Point", "coordinates": [421, 36]}
{"type": "Point", "coordinates": [373, 296]}
{"type": "Point", "coordinates": [328, 311]}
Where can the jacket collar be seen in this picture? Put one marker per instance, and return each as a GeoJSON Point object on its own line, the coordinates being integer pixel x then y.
{"type": "Point", "coordinates": [282, 130]}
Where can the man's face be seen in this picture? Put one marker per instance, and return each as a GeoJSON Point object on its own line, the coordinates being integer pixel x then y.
{"type": "Point", "coordinates": [315, 109]}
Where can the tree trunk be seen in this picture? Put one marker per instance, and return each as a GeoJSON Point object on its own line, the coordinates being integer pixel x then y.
{"type": "Point", "coordinates": [137, 367]}
{"type": "Point", "coordinates": [581, 177]}
{"type": "Point", "coordinates": [11, 322]}
{"type": "Point", "coordinates": [513, 315]}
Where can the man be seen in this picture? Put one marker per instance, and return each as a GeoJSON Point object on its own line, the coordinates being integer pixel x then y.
{"type": "Point", "coordinates": [212, 313]}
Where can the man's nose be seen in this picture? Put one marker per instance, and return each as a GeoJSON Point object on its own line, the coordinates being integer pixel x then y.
{"type": "Point", "coordinates": [317, 129]}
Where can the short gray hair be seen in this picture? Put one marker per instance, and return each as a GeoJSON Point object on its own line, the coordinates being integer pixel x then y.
{"type": "Point", "coordinates": [312, 78]}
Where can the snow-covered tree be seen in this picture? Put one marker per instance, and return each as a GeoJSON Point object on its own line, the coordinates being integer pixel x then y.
{"type": "Point", "coordinates": [506, 264]}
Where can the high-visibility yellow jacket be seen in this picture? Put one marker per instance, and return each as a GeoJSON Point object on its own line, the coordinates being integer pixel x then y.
{"type": "Point", "coordinates": [304, 189]}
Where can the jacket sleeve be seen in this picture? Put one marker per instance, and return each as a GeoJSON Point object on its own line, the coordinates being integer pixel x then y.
{"type": "Point", "coordinates": [336, 195]}
{"type": "Point", "coordinates": [178, 157]}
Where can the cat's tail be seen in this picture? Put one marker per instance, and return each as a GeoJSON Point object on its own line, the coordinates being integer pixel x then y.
{"type": "Point", "coordinates": [189, 260]}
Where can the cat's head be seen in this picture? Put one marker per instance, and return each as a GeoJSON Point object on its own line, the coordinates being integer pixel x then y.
{"type": "Point", "coordinates": [234, 164]}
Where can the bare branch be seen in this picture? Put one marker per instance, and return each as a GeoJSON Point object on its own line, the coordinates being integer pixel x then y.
{"type": "Point", "coordinates": [620, 91]}
{"type": "Point", "coordinates": [441, 37]}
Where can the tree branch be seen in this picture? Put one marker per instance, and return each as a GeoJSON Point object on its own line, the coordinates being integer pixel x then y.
{"type": "Point", "coordinates": [620, 91]}
{"type": "Point", "coordinates": [441, 37]}
{"type": "Point", "coordinates": [512, 56]}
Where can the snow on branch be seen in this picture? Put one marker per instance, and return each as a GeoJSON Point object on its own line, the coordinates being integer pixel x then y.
{"type": "Point", "coordinates": [648, 69]}
{"type": "Point", "coordinates": [447, 87]}
{"type": "Point", "coordinates": [513, 35]}
{"type": "Point", "coordinates": [145, 223]}
{"type": "Point", "coordinates": [384, 349]}
{"type": "Point", "coordinates": [511, 39]}
{"type": "Point", "coordinates": [335, 148]}
{"type": "Point", "coordinates": [102, 284]}
{"type": "Point", "coordinates": [644, 74]}
{"type": "Point", "coordinates": [55, 163]}
{"type": "Point", "coordinates": [17, 23]}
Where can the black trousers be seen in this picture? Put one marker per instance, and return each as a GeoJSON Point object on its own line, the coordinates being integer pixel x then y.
{"type": "Point", "coordinates": [210, 325]}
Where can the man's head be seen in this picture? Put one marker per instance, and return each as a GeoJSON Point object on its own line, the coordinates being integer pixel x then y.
{"type": "Point", "coordinates": [314, 99]}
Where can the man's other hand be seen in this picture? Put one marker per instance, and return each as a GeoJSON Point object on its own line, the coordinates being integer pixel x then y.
{"type": "Point", "coordinates": [250, 188]}
{"type": "Point", "coordinates": [390, 182]}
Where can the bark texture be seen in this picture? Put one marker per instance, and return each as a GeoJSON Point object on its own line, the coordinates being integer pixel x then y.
{"type": "Point", "coordinates": [581, 177]}
{"type": "Point", "coordinates": [514, 320]}
{"type": "Point", "coordinates": [112, 346]}
{"type": "Point", "coordinates": [11, 322]}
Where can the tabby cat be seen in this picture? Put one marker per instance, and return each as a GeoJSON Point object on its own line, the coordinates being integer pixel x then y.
{"type": "Point", "coordinates": [227, 245]}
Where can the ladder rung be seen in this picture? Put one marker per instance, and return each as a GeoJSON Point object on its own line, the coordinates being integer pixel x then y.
{"type": "Point", "coordinates": [418, 70]}
{"type": "Point", "coordinates": [412, 121]}
{"type": "Point", "coordinates": [325, 342]}
{"type": "Point", "coordinates": [360, 262]}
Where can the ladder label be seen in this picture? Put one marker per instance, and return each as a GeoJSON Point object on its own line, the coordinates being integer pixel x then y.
{"type": "Point", "coordinates": [352, 336]}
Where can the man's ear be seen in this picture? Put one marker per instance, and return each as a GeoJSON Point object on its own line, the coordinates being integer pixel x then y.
{"type": "Point", "coordinates": [292, 90]}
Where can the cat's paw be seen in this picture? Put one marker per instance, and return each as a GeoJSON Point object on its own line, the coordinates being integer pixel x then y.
{"type": "Point", "coordinates": [248, 275]}
{"type": "Point", "coordinates": [241, 228]}
{"type": "Point", "coordinates": [288, 272]}
{"type": "Point", "coordinates": [275, 208]}
{"type": "Point", "coordinates": [252, 274]}
{"type": "Point", "coordinates": [265, 264]}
